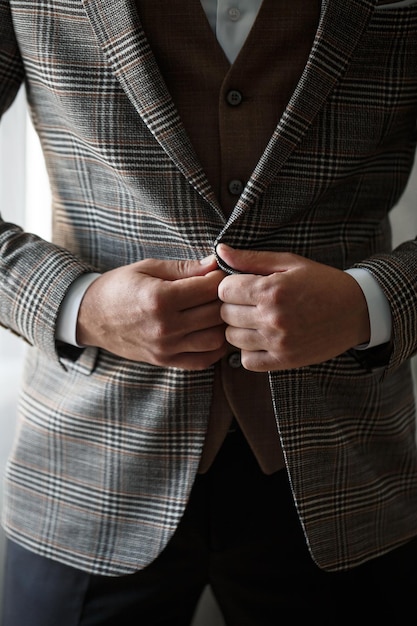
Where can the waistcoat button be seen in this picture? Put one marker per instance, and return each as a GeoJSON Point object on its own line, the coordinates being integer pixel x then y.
{"type": "Point", "coordinates": [234, 360]}
{"type": "Point", "coordinates": [236, 187]}
{"type": "Point", "coordinates": [234, 97]}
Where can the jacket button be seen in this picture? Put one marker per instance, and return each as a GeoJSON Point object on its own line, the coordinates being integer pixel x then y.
{"type": "Point", "coordinates": [234, 97]}
{"type": "Point", "coordinates": [235, 187]}
{"type": "Point", "coordinates": [234, 360]}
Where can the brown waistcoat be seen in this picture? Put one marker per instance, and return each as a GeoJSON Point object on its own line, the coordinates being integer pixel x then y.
{"type": "Point", "coordinates": [230, 113]}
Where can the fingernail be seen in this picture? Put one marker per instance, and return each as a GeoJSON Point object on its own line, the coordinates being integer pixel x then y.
{"type": "Point", "coordinates": [222, 246]}
{"type": "Point", "coordinates": [208, 260]}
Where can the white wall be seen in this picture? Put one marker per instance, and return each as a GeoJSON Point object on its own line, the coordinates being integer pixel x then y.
{"type": "Point", "coordinates": [24, 199]}
{"type": "Point", "coordinates": [12, 202]}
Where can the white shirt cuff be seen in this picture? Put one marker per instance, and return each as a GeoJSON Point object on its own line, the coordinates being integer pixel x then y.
{"type": "Point", "coordinates": [66, 327]}
{"type": "Point", "coordinates": [379, 310]}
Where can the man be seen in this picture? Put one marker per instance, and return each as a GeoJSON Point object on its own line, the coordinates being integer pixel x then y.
{"type": "Point", "coordinates": [217, 388]}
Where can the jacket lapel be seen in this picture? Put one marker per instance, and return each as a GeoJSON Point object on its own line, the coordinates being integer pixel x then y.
{"type": "Point", "coordinates": [340, 29]}
{"type": "Point", "coordinates": [120, 34]}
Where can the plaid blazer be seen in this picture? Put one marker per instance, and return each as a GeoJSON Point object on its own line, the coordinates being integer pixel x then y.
{"type": "Point", "coordinates": [106, 449]}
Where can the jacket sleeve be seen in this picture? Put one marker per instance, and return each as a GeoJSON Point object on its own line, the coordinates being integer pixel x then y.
{"type": "Point", "coordinates": [11, 67]}
{"type": "Point", "coordinates": [396, 272]}
{"type": "Point", "coordinates": [34, 274]}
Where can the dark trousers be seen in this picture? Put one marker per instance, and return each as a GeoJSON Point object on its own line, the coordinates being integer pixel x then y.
{"type": "Point", "coordinates": [241, 535]}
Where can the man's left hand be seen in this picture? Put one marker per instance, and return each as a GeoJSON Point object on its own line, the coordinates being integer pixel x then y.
{"type": "Point", "coordinates": [285, 311]}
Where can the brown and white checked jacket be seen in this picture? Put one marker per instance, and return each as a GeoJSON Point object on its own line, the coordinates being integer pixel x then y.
{"type": "Point", "coordinates": [107, 450]}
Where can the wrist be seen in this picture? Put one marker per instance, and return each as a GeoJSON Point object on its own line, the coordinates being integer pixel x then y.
{"type": "Point", "coordinates": [66, 326]}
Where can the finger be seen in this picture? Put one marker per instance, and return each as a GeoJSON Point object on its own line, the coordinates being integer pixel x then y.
{"type": "Point", "coordinates": [243, 289]}
{"type": "Point", "coordinates": [240, 316]}
{"type": "Point", "coordinates": [253, 261]}
{"type": "Point", "coordinates": [206, 340]}
{"type": "Point", "coordinates": [199, 318]}
{"type": "Point", "coordinates": [196, 360]}
{"type": "Point", "coordinates": [260, 361]}
{"type": "Point", "coordinates": [246, 339]}
{"type": "Point", "coordinates": [195, 291]}
{"type": "Point", "coordinates": [177, 269]}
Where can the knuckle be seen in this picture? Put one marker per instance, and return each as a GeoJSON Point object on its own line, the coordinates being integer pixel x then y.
{"type": "Point", "coordinates": [225, 289]}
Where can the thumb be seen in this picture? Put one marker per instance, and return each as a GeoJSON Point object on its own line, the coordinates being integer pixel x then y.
{"type": "Point", "coordinates": [248, 261]}
{"type": "Point", "coordinates": [177, 269]}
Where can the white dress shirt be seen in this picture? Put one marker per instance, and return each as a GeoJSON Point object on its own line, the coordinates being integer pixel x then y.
{"type": "Point", "coordinates": [231, 21]}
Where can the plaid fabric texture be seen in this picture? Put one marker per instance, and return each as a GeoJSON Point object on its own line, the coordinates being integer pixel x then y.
{"type": "Point", "coordinates": [107, 449]}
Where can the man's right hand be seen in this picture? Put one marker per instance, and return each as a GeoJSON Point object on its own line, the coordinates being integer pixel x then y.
{"type": "Point", "coordinates": [165, 313]}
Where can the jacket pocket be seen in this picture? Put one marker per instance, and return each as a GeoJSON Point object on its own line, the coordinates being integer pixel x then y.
{"type": "Point", "coordinates": [83, 361]}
